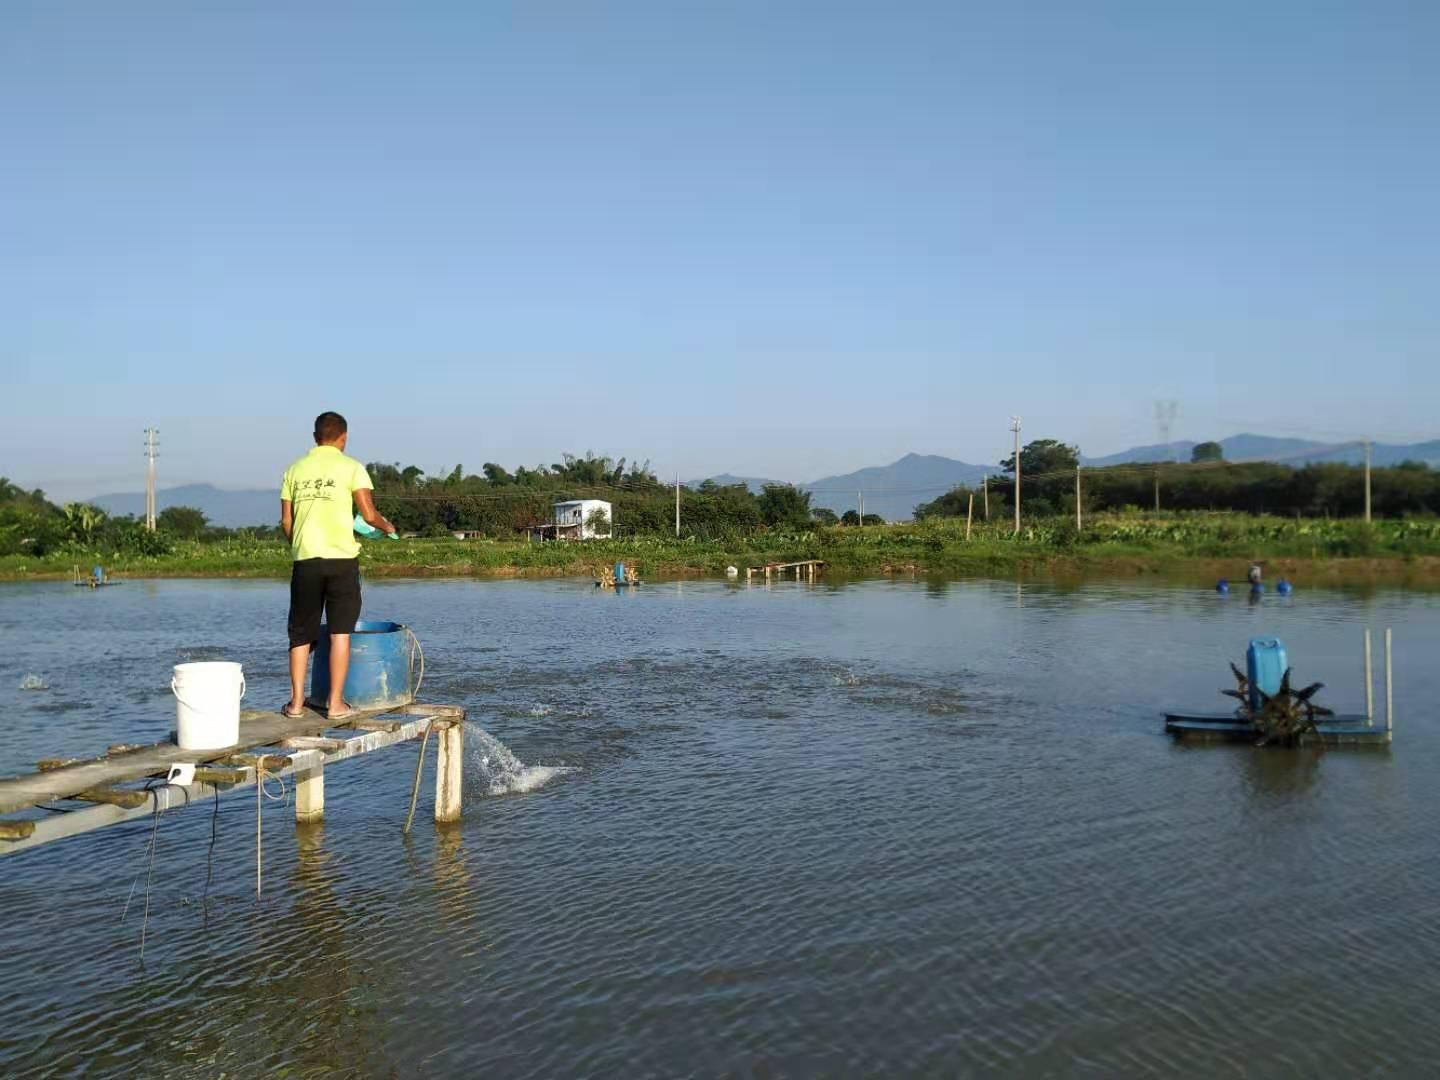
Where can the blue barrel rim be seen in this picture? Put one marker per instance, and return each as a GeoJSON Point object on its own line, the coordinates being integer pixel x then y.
{"type": "Point", "coordinates": [370, 626]}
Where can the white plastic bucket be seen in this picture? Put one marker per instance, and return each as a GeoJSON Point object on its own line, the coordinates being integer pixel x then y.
{"type": "Point", "coordinates": [207, 704]}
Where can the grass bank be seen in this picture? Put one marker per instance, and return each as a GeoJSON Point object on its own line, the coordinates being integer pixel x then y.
{"type": "Point", "coordinates": [1195, 548]}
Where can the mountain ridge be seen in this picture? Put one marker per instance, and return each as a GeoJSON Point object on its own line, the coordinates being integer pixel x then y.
{"type": "Point", "coordinates": [892, 490]}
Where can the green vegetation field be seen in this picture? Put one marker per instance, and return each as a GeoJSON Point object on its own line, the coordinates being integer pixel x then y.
{"type": "Point", "coordinates": [1196, 546]}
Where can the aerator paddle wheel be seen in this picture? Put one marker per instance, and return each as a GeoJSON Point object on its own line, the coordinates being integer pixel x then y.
{"type": "Point", "coordinates": [1283, 716]}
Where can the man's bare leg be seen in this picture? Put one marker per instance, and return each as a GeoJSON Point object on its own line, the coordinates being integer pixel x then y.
{"type": "Point", "coordinates": [299, 660]}
{"type": "Point", "coordinates": [339, 667]}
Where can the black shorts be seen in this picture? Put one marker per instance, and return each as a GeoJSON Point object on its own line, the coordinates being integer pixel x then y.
{"type": "Point", "coordinates": [331, 584]}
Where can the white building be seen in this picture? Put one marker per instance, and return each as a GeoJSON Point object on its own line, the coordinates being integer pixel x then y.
{"type": "Point", "coordinates": [576, 519]}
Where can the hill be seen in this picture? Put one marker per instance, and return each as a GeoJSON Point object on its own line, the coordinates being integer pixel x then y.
{"type": "Point", "coordinates": [1249, 447]}
{"type": "Point", "coordinates": [893, 490]}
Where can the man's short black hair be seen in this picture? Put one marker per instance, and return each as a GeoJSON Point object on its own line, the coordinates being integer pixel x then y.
{"type": "Point", "coordinates": [329, 426]}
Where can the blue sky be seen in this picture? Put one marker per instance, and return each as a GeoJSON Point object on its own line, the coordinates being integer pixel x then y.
{"type": "Point", "coordinates": [780, 239]}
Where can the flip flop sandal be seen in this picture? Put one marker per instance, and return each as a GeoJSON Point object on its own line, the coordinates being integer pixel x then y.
{"type": "Point", "coordinates": [285, 712]}
{"type": "Point", "coordinates": [345, 713]}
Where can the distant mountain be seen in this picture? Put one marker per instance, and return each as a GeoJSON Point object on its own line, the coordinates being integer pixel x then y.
{"type": "Point", "coordinates": [754, 483]}
{"type": "Point", "coordinates": [232, 509]}
{"type": "Point", "coordinates": [893, 490]}
{"type": "Point", "coordinates": [1297, 452]}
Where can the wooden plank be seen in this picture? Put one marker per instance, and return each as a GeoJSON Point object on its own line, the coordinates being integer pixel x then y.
{"type": "Point", "coordinates": [271, 763]}
{"type": "Point", "coordinates": [256, 729]}
{"type": "Point", "coordinates": [221, 775]}
{"type": "Point", "coordinates": [175, 797]}
{"type": "Point", "coordinates": [114, 796]}
{"type": "Point", "coordinates": [311, 742]}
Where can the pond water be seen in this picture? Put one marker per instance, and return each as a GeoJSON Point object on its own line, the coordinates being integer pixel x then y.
{"type": "Point", "coordinates": [880, 827]}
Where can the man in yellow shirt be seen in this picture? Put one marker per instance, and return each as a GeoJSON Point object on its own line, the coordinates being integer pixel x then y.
{"type": "Point", "coordinates": [315, 513]}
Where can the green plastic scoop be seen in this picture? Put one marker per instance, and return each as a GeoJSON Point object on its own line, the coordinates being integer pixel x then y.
{"type": "Point", "coordinates": [364, 528]}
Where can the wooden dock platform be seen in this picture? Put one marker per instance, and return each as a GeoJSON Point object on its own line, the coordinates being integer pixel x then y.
{"type": "Point", "coordinates": [130, 782]}
{"type": "Point", "coordinates": [1227, 727]}
{"type": "Point", "coordinates": [805, 567]}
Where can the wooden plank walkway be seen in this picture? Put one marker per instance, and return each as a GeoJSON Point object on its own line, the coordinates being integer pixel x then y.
{"type": "Point", "coordinates": [300, 749]}
{"type": "Point", "coordinates": [805, 567]}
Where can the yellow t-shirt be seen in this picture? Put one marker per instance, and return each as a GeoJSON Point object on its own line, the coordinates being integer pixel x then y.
{"type": "Point", "coordinates": [320, 489]}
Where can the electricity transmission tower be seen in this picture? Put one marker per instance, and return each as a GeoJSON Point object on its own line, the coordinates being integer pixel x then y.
{"type": "Point", "coordinates": [1015, 427]}
{"type": "Point", "coordinates": [152, 451]}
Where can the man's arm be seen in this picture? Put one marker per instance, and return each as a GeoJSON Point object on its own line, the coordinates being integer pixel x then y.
{"type": "Point", "coordinates": [287, 520]}
{"type": "Point", "coordinates": [365, 503]}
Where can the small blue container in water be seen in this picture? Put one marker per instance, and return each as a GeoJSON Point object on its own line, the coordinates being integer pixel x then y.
{"type": "Point", "coordinates": [619, 573]}
{"type": "Point", "coordinates": [381, 671]}
{"type": "Point", "coordinates": [1284, 587]}
{"type": "Point", "coordinates": [1223, 585]}
{"type": "Point", "coordinates": [1265, 663]}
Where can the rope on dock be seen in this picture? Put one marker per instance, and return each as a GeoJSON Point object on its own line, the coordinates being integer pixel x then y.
{"type": "Point", "coordinates": [415, 690]}
{"type": "Point", "coordinates": [260, 794]}
{"type": "Point", "coordinates": [415, 790]}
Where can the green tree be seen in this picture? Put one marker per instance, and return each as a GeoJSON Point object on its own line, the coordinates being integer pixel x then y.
{"type": "Point", "coordinates": [84, 522]}
{"type": "Point", "coordinates": [598, 521]}
{"type": "Point", "coordinates": [850, 517]}
{"type": "Point", "coordinates": [872, 519]}
{"type": "Point", "coordinates": [823, 515]}
{"type": "Point", "coordinates": [785, 505]}
{"type": "Point", "coordinates": [1044, 456]}
{"type": "Point", "coordinates": [1207, 451]}
{"type": "Point", "coordinates": [186, 522]}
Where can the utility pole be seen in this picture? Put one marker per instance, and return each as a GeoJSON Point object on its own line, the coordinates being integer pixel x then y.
{"type": "Point", "coordinates": [152, 450]}
{"type": "Point", "coordinates": [1077, 498]}
{"type": "Point", "coordinates": [985, 493]}
{"type": "Point", "coordinates": [1157, 487]}
{"type": "Point", "coordinates": [677, 503]}
{"type": "Point", "coordinates": [861, 495]}
{"type": "Point", "coordinates": [1367, 481]}
{"type": "Point", "coordinates": [1015, 427]}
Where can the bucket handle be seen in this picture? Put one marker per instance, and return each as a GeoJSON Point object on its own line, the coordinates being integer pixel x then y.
{"type": "Point", "coordinates": [176, 691]}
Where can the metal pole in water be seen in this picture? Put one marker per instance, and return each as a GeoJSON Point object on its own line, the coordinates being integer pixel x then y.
{"type": "Point", "coordinates": [1369, 683]}
{"type": "Point", "coordinates": [1389, 694]}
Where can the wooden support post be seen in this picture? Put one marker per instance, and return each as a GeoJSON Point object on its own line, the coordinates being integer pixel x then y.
{"type": "Point", "coordinates": [448, 774]}
{"type": "Point", "coordinates": [1369, 683]}
{"type": "Point", "coordinates": [310, 795]}
{"type": "Point", "coordinates": [969, 515]}
{"type": "Point", "coordinates": [749, 574]}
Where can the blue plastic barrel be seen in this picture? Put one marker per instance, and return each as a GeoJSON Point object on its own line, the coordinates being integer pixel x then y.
{"type": "Point", "coordinates": [1265, 663]}
{"type": "Point", "coordinates": [380, 668]}
{"type": "Point", "coordinates": [1284, 587]}
{"type": "Point", "coordinates": [619, 573]}
{"type": "Point", "coordinates": [1222, 586]}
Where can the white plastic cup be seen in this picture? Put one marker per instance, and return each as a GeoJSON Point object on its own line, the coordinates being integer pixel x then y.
{"type": "Point", "coordinates": [207, 704]}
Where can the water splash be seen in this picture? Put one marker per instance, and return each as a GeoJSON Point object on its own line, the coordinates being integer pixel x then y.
{"type": "Point", "coordinates": [33, 682]}
{"type": "Point", "coordinates": [847, 678]}
{"type": "Point", "coordinates": [540, 710]}
{"type": "Point", "coordinates": [500, 771]}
